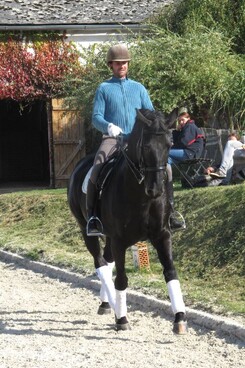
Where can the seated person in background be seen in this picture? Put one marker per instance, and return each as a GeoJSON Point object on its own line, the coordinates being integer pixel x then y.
{"type": "Point", "coordinates": [232, 147]}
{"type": "Point", "coordinates": [188, 140]}
{"type": "Point", "coordinates": [187, 144]}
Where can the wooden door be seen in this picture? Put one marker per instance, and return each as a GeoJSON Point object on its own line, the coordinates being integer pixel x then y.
{"type": "Point", "coordinates": [68, 141]}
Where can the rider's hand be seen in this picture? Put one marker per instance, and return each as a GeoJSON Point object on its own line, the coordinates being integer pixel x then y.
{"type": "Point", "coordinates": [113, 130]}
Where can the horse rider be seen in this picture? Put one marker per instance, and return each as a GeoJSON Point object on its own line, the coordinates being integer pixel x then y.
{"type": "Point", "coordinates": [114, 113]}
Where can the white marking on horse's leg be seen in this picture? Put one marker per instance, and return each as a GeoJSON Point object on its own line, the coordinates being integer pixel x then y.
{"type": "Point", "coordinates": [103, 293]}
{"type": "Point", "coordinates": [105, 275]}
{"type": "Point", "coordinates": [121, 304]}
{"type": "Point", "coordinates": [176, 297]}
{"type": "Point", "coordinates": [111, 266]}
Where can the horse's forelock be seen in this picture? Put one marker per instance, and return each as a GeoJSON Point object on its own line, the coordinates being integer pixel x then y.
{"type": "Point", "coordinates": [153, 120]}
{"type": "Point", "coordinates": [160, 121]}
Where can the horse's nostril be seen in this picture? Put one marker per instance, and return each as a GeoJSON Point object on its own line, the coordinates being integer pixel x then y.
{"type": "Point", "coordinates": [149, 192]}
{"type": "Point", "coordinates": [153, 193]}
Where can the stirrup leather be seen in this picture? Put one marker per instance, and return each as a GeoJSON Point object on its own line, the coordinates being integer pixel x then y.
{"type": "Point", "coordinates": [94, 226]}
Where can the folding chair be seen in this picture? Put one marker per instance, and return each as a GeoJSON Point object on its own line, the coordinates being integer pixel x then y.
{"type": "Point", "coordinates": [191, 170]}
{"type": "Point", "coordinates": [238, 172]}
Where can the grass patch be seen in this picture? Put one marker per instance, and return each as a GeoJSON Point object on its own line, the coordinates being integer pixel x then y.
{"type": "Point", "coordinates": [209, 255]}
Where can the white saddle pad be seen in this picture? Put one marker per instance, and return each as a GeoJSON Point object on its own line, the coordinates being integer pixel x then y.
{"type": "Point", "coordinates": [86, 179]}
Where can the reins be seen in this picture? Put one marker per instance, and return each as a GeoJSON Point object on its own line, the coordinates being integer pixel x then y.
{"type": "Point", "coordinates": [137, 173]}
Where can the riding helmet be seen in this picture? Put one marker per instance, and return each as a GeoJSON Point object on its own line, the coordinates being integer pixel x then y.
{"type": "Point", "coordinates": [118, 53]}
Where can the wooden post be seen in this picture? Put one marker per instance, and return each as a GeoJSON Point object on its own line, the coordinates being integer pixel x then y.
{"type": "Point", "coordinates": [50, 143]}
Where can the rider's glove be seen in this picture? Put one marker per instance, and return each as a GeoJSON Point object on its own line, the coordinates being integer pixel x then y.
{"type": "Point", "coordinates": [113, 130]}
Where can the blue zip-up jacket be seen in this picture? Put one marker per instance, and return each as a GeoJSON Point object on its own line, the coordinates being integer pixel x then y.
{"type": "Point", "coordinates": [116, 101]}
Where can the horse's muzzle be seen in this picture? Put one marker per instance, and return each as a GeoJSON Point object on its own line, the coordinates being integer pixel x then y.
{"type": "Point", "coordinates": [154, 190]}
{"type": "Point", "coordinates": [154, 184]}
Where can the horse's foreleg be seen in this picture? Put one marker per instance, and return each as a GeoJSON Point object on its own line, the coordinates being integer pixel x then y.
{"type": "Point", "coordinates": [164, 250]}
{"type": "Point", "coordinates": [121, 304]}
{"type": "Point", "coordinates": [107, 251]}
{"type": "Point", "coordinates": [178, 306]}
{"type": "Point", "coordinates": [121, 284]}
{"type": "Point", "coordinates": [104, 307]}
{"type": "Point", "coordinates": [121, 310]}
{"type": "Point", "coordinates": [176, 297]}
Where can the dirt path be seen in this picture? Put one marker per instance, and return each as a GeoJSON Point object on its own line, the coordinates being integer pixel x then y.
{"type": "Point", "coordinates": [46, 323]}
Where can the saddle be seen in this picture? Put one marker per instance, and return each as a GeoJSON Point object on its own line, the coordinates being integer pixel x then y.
{"type": "Point", "coordinates": [104, 174]}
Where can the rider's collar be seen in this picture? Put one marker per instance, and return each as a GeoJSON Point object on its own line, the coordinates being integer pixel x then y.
{"type": "Point", "coordinates": [119, 80]}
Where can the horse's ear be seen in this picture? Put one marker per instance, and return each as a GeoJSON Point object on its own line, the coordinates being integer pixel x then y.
{"type": "Point", "coordinates": [141, 116]}
{"type": "Point", "coordinates": [171, 118]}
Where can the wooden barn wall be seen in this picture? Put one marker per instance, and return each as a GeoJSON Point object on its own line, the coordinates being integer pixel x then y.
{"type": "Point", "coordinates": [68, 141]}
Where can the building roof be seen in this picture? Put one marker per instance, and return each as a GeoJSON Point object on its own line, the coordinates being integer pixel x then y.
{"type": "Point", "coordinates": [62, 12]}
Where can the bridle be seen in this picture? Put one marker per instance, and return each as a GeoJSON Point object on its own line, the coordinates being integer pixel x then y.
{"type": "Point", "coordinates": [139, 172]}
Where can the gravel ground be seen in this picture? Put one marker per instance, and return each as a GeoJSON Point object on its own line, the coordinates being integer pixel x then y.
{"type": "Point", "coordinates": [49, 323]}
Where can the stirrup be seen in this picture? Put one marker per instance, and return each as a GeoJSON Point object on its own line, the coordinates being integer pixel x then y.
{"type": "Point", "coordinates": [94, 227]}
{"type": "Point", "coordinates": [179, 219]}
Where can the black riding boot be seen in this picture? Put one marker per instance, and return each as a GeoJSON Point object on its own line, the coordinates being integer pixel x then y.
{"type": "Point", "coordinates": [176, 220]}
{"type": "Point", "coordinates": [94, 225]}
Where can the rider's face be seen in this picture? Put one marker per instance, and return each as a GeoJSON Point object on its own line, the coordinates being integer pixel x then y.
{"type": "Point", "coordinates": [119, 68]}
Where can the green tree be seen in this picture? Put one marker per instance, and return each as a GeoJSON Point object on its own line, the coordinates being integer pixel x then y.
{"type": "Point", "coordinates": [225, 16]}
{"type": "Point", "coordinates": [197, 70]}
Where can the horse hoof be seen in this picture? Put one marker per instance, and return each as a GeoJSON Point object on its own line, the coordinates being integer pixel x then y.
{"type": "Point", "coordinates": [180, 328]}
{"type": "Point", "coordinates": [122, 324]}
{"type": "Point", "coordinates": [104, 308]}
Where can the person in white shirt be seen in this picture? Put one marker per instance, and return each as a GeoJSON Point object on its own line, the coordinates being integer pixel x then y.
{"type": "Point", "coordinates": [232, 147]}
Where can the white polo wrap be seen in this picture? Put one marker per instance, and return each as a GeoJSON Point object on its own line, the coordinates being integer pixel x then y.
{"type": "Point", "coordinates": [176, 297]}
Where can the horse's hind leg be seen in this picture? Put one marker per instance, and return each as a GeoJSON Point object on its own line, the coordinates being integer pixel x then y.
{"type": "Point", "coordinates": [164, 250]}
{"type": "Point", "coordinates": [107, 290]}
{"type": "Point", "coordinates": [103, 271]}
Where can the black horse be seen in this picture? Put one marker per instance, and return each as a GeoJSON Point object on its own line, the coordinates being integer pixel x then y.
{"type": "Point", "coordinates": [133, 207]}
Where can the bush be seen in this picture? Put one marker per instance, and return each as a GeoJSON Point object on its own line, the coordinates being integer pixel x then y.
{"type": "Point", "coordinates": [197, 70]}
{"type": "Point", "coordinates": [224, 16]}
